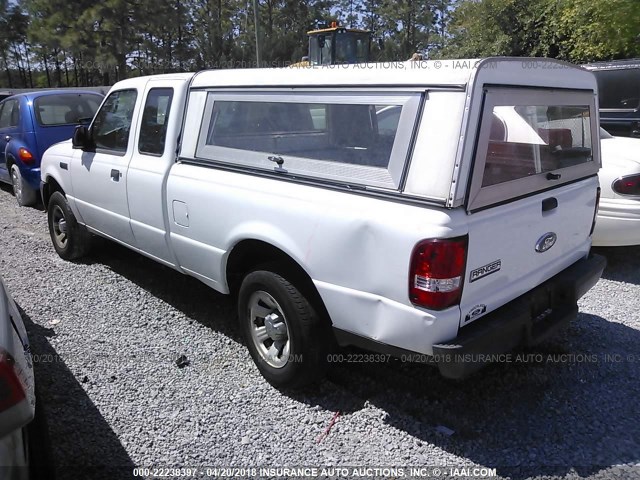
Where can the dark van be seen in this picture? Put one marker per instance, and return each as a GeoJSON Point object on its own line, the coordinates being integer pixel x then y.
{"type": "Point", "coordinates": [619, 91]}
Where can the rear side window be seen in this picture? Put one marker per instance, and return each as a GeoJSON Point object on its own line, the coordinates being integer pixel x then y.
{"type": "Point", "coordinates": [155, 116]}
{"type": "Point", "coordinates": [531, 139]}
{"type": "Point", "coordinates": [356, 139]}
{"type": "Point", "coordinates": [66, 109]}
{"type": "Point", "coordinates": [10, 114]}
{"type": "Point", "coordinates": [112, 123]}
{"type": "Point", "coordinates": [619, 89]}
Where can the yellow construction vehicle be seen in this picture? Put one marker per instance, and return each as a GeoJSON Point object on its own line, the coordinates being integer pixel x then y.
{"type": "Point", "coordinates": [337, 45]}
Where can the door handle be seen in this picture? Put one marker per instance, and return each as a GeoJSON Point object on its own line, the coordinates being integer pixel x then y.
{"type": "Point", "coordinates": [276, 159]}
{"type": "Point", "coordinates": [115, 175]}
{"type": "Point", "coordinates": [549, 204]}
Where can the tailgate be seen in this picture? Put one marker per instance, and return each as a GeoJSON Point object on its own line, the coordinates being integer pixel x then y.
{"type": "Point", "coordinates": [516, 246]}
{"type": "Point", "coordinates": [533, 193]}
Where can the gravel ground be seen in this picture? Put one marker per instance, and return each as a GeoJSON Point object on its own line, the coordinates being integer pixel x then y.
{"type": "Point", "coordinates": [106, 333]}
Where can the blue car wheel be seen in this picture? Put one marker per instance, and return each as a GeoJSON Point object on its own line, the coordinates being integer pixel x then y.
{"type": "Point", "coordinates": [24, 194]}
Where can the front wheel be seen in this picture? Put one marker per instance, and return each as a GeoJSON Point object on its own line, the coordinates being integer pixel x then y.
{"type": "Point", "coordinates": [25, 195]}
{"type": "Point", "coordinates": [70, 239]}
{"type": "Point", "coordinates": [285, 335]}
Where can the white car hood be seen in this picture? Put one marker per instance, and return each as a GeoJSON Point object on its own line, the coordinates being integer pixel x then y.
{"type": "Point", "coordinates": [620, 152]}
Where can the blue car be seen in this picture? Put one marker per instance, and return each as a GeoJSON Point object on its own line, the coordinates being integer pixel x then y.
{"type": "Point", "coordinates": [32, 122]}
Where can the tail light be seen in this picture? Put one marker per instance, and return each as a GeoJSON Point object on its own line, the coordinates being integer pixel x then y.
{"type": "Point", "coordinates": [437, 272]}
{"type": "Point", "coordinates": [595, 212]}
{"type": "Point", "coordinates": [627, 185]}
{"type": "Point", "coordinates": [25, 155]}
{"type": "Point", "coordinates": [11, 390]}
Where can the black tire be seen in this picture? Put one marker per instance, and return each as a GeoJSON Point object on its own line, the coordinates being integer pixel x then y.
{"type": "Point", "coordinates": [72, 240]}
{"type": "Point", "coordinates": [25, 195]}
{"type": "Point", "coordinates": [308, 335]}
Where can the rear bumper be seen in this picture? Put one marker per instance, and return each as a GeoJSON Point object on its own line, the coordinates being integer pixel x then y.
{"type": "Point", "coordinates": [32, 177]}
{"type": "Point", "coordinates": [527, 320]}
{"type": "Point", "coordinates": [618, 223]}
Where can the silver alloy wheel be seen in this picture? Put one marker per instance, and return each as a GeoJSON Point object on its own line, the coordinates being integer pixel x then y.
{"type": "Point", "coordinates": [17, 184]}
{"type": "Point", "coordinates": [269, 329]}
{"type": "Point", "coordinates": [59, 226]}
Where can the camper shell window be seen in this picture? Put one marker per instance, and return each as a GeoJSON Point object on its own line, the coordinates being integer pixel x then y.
{"type": "Point", "coordinates": [356, 139]}
{"type": "Point", "coordinates": [532, 140]}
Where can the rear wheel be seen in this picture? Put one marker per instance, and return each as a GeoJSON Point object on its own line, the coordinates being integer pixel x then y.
{"type": "Point", "coordinates": [70, 239]}
{"type": "Point", "coordinates": [25, 195]}
{"type": "Point", "coordinates": [284, 333]}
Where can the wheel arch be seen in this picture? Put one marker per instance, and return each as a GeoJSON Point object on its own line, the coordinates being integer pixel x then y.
{"type": "Point", "coordinates": [10, 159]}
{"type": "Point", "coordinates": [249, 254]}
{"type": "Point", "coordinates": [49, 186]}
{"type": "Point", "coordinates": [11, 153]}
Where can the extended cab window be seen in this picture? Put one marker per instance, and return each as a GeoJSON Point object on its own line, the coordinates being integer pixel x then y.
{"type": "Point", "coordinates": [10, 114]}
{"type": "Point", "coordinates": [153, 130]}
{"type": "Point", "coordinates": [532, 140]}
{"type": "Point", "coordinates": [112, 124]}
{"type": "Point", "coordinates": [360, 139]}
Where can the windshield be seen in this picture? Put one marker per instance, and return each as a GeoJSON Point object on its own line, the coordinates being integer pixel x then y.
{"type": "Point", "coordinates": [352, 47]}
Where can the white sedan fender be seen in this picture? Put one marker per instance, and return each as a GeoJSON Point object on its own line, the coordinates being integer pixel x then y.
{"type": "Point", "coordinates": [618, 221]}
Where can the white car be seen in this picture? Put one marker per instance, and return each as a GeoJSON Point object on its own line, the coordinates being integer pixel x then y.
{"type": "Point", "coordinates": [618, 222]}
{"type": "Point", "coordinates": [17, 393]}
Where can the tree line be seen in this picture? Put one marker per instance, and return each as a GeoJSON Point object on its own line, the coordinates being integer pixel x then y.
{"type": "Point", "coordinates": [48, 43]}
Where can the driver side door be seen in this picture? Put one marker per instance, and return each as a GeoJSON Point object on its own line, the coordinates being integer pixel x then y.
{"type": "Point", "coordinates": [99, 177]}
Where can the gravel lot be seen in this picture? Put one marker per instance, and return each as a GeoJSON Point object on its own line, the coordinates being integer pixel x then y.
{"type": "Point", "coordinates": [106, 333]}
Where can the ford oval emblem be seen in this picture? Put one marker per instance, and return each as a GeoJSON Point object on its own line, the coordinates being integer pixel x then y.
{"type": "Point", "coordinates": [545, 242]}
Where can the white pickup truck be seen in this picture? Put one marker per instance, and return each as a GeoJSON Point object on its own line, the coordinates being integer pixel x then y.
{"type": "Point", "coordinates": [437, 211]}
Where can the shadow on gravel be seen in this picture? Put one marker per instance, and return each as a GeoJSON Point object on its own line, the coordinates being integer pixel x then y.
{"type": "Point", "coordinates": [569, 405]}
{"type": "Point", "coordinates": [82, 443]}
{"type": "Point", "coordinates": [623, 263]}
{"type": "Point", "coordinates": [5, 187]}
{"type": "Point", "coordinates": [190, 296]}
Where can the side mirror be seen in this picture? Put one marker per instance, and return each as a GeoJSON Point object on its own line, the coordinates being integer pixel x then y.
{"type": "Point", "coordinates": [81, 138]}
